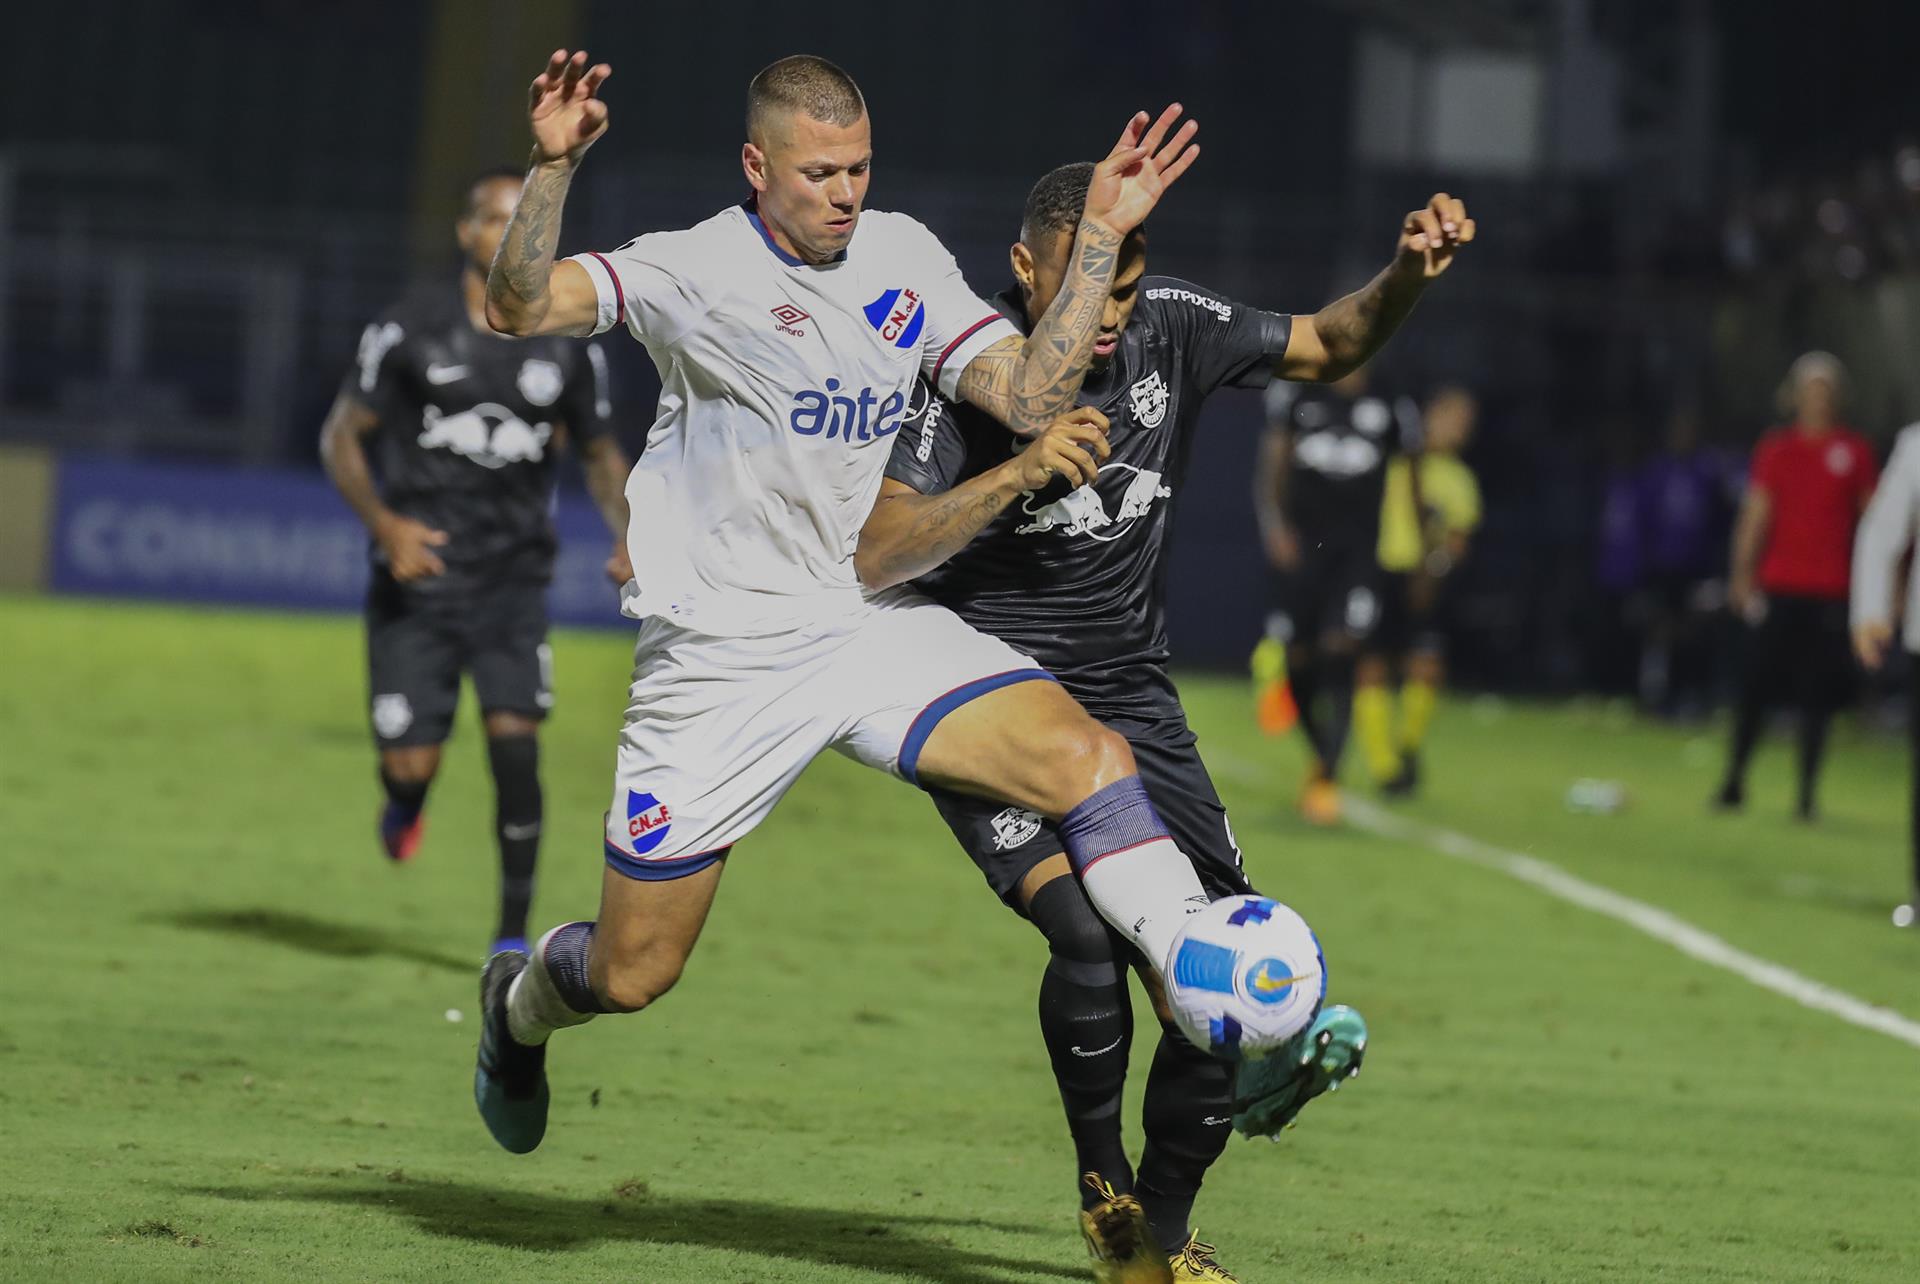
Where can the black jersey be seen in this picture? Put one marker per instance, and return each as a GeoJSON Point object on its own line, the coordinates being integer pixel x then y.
{"type": "Point", "coordinates": [1341, 448]}
{"type": "Point", "coordinates": [467, 430]}
{"type": "Point", "coordinates": [1075, 578]}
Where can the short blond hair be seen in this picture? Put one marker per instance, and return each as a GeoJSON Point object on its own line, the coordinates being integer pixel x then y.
{"type": "Point", "coordinates": [804, 84]}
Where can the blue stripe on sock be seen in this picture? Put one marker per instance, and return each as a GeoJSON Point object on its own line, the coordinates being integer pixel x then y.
{"type": "Point", "coordinates": [929, 717]}
{"type": "Point", "coordinates": [565, 958]}
{"type": "Point", "coordinates": [1108, 820]}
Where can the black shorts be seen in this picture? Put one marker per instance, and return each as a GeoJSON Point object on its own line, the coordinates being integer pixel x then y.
{"type": "Point", "coordinates": [1334, 595]}
{"type": "Point", "coordinates": [1801, 652]}
{"type": "Point", "coordinates": [418, 644]}
{"type": "Point", "coordinates": [1007, 842]}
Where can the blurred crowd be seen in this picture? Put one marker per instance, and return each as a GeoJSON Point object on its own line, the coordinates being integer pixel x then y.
{"type": "Point", "coordinates": [1830, 226]}
{"type": "Point", "coordinates": [1662, 537]}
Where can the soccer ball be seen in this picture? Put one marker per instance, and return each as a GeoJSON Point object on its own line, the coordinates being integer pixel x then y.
{"type": "Point", "coordinates": [1246, 975]}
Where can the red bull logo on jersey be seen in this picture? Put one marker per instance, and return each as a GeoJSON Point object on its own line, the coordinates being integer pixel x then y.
{"type": "Point", "coordinates": [648, 821]}
{"type": "Point", "coordinates": [490, 435]}
{"type": "Point", "coordinates": [898, 315]}
{"type": "Point", "coordinates": [1084, 512]}
{"type": "Point", "coordinates": [845, 415]}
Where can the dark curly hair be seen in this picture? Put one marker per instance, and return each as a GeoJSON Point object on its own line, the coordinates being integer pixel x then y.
{"type": "Point", "coordinates": [1055, 203]}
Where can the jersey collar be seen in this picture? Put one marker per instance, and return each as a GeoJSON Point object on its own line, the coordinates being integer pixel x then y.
{"type": "Point", "coordinates": [751, 208]}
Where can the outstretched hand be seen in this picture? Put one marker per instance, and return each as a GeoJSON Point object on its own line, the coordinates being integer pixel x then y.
{"type": "Point", "coordinates": [1139, 170]}
{"type": "Point", "coordinates": [564, 108]}
{"type": "Point", "coordinates": [1430, 237]}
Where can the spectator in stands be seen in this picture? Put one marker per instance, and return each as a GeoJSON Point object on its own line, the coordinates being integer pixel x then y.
{"type": "Point", "coordinates": [1610, 629]}
{"type": "Point", "coordinates": [1683, 502]}
{"type": "Point", "coordinates": [1792, 554]}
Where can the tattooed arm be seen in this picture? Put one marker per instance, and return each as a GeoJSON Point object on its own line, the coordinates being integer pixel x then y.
{"type": "Point", "coordinates": [1024, 385]}
{"type": "Point", "coordinates": [526, 293]}
{"type": "Point", "coordinates": [908, 533]}
{"type": "Point", "coordinates": [1341, 337]}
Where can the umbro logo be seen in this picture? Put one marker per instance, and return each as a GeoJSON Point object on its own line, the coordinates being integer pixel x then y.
{"type": "Point", "coordinates": [787, 319]}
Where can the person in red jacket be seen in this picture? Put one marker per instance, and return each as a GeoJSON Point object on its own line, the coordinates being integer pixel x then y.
{"type": "Point", "coordinates": [1792, 556]}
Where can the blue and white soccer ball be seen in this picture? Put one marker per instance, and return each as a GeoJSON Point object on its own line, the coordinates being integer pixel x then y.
{"type": "Point", "coordinates": [1246, 975]}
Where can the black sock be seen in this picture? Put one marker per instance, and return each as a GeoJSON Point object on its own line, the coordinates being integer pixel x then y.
{"type": "Point", "coordinates": [517, 812]}
{"type": "Point", "coordinates": [1336, 689]}
{"type": "Point", "coordinates": [1086, 1019]}
{"type": "Point", "coordinates": [1303, 676]}
{"type": "Point", "coordinates": [1748, 716]}
{"type": "Point", "coordinates": [1188, 1119]}
{"type": "Point", "coordinates": [407, 796]}
{"type": "Point", "coordinates": [1813, 745]}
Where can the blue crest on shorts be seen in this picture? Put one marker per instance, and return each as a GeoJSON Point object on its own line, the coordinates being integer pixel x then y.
{"type": "Point", "coordinates": [899, 316]}
{"type": "Point", "coordinates": [648, 821]}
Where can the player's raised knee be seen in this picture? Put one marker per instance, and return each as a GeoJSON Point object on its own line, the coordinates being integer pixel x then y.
{"type": "Point", "coordinates": [1103, 753]}
{"type": "Point", "coordinates": [1081, 757]}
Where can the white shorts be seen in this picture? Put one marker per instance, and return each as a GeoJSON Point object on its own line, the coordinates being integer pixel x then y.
{"type": "Point", "coordinates": [718, 729]}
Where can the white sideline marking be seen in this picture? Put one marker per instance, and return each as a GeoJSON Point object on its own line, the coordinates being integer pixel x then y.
{"type": "Point", "coordinates": [1650, 919]}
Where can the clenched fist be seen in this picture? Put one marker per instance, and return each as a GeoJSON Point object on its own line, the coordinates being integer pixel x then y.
{"type": "Point", "coordinates": [1072, 447]}
{"type": "Point", "coordinates": [1430, 237]}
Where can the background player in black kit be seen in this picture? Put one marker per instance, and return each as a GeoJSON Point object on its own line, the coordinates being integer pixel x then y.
{"type": "Point", "coordinates": [464, 426]}
{"type": "Point", "coordinates": [1318, 486]}
{"type": "Point", "coordinates": [1073, 575]}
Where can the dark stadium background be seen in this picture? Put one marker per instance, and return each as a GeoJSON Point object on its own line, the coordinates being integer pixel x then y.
{"type": "Point", "coordinates": [202, 202]}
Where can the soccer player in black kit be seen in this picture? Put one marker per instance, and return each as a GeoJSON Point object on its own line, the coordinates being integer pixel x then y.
{"type": "Point", "coordinates": [1072, 572]}
{"type": "Point", "coordinates": [464, 426]}
{"type": "Point", "coordinates": [1318, 486]}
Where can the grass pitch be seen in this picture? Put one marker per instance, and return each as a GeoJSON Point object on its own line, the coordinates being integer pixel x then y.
{"type": "Point", "coordinates": [236, 1045]}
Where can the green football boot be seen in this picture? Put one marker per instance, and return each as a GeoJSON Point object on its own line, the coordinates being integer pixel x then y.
{"type": "Point", "coordinates": [1269, 1091]}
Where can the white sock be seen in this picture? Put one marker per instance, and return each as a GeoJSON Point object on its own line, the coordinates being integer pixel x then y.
{"type": "Point", "coordinates": [534, 1006]}
{"type": "Point", "coordinates": [1146, 891]}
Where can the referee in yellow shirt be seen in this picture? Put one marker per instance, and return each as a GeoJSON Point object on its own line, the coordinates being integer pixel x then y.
{"type": "Point", "coordinates": [1427, 518]}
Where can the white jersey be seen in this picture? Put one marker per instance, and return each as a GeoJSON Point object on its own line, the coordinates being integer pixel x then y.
{"type": "Point", "coordinates": [782, 385]}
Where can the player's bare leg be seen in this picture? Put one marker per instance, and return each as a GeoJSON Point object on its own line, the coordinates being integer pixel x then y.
{"type": "Point", "coordinates": [406, 773]}
{"type": "Point", "coordinates": [1029, 744]}
{"type": "Point", "coordinates": [630, 956]}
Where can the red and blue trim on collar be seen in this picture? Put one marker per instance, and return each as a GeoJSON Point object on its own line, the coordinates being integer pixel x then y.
{"type": "Point", "coordinates": [752, 212]}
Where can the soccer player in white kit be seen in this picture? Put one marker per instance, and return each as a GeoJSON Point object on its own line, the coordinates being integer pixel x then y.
{"type": "Point", "coordinates": [788, 332]}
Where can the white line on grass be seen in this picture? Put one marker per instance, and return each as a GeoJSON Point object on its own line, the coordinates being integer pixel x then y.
{"type": "Point", "coordinates": [1650, 919]}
